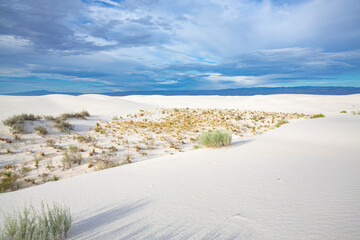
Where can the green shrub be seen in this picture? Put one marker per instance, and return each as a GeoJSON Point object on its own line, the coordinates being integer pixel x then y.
{"type": "Point", "coordinates": [215, 139]}
{"type": "Point", "coordinates": [51, 223]}
{"type": "Point", "coordinates": [80, 115]}
{"type": "Point", "coordinates": [41, 130]}
{"type": "Point", "coordinates": [62, 125]}
{"type": "Point", "coordinates": [320, 115]}
{"type": "Point", "coordinates": [281, 122]}
{"type": "Point", "coordinates": [343, 111]}
{"type": "Point", "coordinates": [16, 122]}
{"type": "Point", "coordinates": [9, 182]}
{"type": "Point", "coordinates": [72, 156]}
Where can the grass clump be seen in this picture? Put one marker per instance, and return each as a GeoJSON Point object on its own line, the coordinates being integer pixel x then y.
{"type": "Point", "coordinates": [62, 125]}
{"type": "Point", "coordinates": [50, 223]}
{"type": "Point", "coordinates": [41, 130]}
{"type": "Point", "coordinates": [215, 139]}
{"type": "Point", "coordinates": [50, 142]}
{"type": "Point", "coordinates": [80, 115]}
{"type": "Point", "coordinates": [17, 122]}
{"type": "Point", "coordinates": [72, 156]}
{"type": "Point", "coordinates": [9, 182]}
{"type": "Point", "coordinates": [281, 122]}
{"type": "Point", "coordinates": [320, 115]}
{"type": "Point", "coordinates": [344, 111]}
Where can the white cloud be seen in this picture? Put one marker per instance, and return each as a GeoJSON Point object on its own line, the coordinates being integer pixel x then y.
{"type": "Point", "coordinates": [100, 42]}
{"type": "Point", "coordinates": [13, 44]}
{"type": "Point", "coordinates": [167, 82]}
{"type": "Point", "coordinates": [243, 80]}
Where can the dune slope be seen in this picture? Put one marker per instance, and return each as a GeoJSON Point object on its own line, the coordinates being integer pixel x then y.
{"type": "Point", "coordinates": [297, 182]}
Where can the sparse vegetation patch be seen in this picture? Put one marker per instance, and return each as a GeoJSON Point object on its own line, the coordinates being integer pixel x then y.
{"type": "Point", "coordinates": [320, 115]}
{"type": "Point", "coordinates": [120, 140]}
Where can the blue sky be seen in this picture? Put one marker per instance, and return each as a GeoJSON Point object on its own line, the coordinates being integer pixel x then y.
{"type": "Point", "coordinates": [108, 45]}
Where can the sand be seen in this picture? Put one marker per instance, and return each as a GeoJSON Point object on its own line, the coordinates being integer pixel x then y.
{"type": "Point", "coordinates": [299, 181]}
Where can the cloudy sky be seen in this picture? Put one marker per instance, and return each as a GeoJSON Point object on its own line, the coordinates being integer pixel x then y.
{"type": "Point", "coordinates": [119, 45]}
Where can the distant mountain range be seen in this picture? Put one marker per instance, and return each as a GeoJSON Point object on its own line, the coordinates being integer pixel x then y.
{"type": "Point", "coordinates": [223, 92]}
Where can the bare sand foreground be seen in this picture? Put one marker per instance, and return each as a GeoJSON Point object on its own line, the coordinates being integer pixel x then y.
{"type": "Point", "coordinates": [300, 181]}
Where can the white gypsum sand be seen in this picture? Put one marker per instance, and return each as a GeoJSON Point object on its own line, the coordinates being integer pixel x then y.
{"type": "Point", "coordinates": [36, 149]}
{"type": "Point", "coordinates": [296, 182]}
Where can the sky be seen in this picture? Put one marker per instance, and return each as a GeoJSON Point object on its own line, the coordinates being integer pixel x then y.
{"type": "Point", "coordinates": [93, 46]}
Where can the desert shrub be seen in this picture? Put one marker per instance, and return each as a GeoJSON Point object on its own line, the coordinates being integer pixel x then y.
{"type": "Point", "coordinates": [281, 122]}
{"type": "Point", "coordinates": [9, 182]}
{"type": "Point", "coordinates": [41, 130]}
{"type": "Point", "coordinates": [215, 139]}
{"type": "Point", "coordinates": [16, 122]}
{"type": "Point", "coordinates": [17, 128]}
{"type": "Point", "coordinates": [344, 111]}
{"type": "Point", "coordinates": [50, 223]}
{"type": "Point", "coordinates": [86, 139]}
{"type": "Point", "coordinates": [50, 142]}
{"type": "Point", "coordinates": [72, 156]}
{"type": "Point", "coordinates": [62, 125]}
{"type": "Point", "coordinates": [49, 117]}
{"type": "Point", "coordinates": [80, 115]}
{"type": "Point", "coordinates": [320, 115]}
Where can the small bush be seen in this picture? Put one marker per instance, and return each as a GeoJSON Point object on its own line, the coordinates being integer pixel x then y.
{"type": "Point", "coordinates": [62, 125]}
{"type": "Point", "coordinates": [343, 111]}
{"type": "Point", "coordinates": [281, 122]}
{"type": "Point", "coordinates": [49, 117]}
{"type": "Point", "coordinates": [41, 130]}
{"type": "Point", "coordinates": [215, 139]}
{"type": "Point", "coordinates": [51, 223]}
{"type": "Point", "coordinates": [50, 142]}
{"type": "Point", "coordinates": [80, 115]}
{"type": "Point", "coordinates": [9, 182]}
{"type": "Point", "coordinates": [317, 116]}
{"type": "Point", "coordinates": [72, 156]}
{"type": "Point", "coordinates": [16, 122]}
{"type": "Point", "coordinates": [86, 139]}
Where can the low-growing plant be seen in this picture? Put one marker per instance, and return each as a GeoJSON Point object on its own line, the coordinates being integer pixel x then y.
{"type": "Point", "coordinates": [41, 130]}
{"type": "Point", "coordinates": [81, 115]}
{"type": "Point", "coordinates": [104, 164]}
{"type": "Point", "coordinates": [128, 158]}
{"type": "Point", "coordinates": [50, 223]}
{"type": "Point", "coordinates": [86, 139]}
{"type": "Point", "coordinates": [37, 161]}
{"type": "Point", "coordinates": [9, 182]}
{"type": "Point", "coordinates": [343, 111]}
{"type": "Point", "coordinates": [55, 178]}
{"type": "Point", "coordinates": [320, 115]}
{"type": "Point", "coordinates": [281, 122]}
{"type": "Point", "coordinates": [50, 142]}
{"type": "Point", "coordinates": [71, 156]}
{"type": "Point", "coordinates": [112, 149]}
{"type": "Point", "coordinates": [62, 125]}
{"type": "Point", "coordinates": [215, 139]}
{"type": "Point", "coordinates": [24, 169]}
{"type": "Point", "coordinates": [16, 122]}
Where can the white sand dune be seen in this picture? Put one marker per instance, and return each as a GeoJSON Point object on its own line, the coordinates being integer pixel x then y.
{"type": "Point", "coordinates": [275, 103]}
{"type": "Point", "coordinates": [300, 181]}
{"type": "Point", "coordinates": [57, 104]}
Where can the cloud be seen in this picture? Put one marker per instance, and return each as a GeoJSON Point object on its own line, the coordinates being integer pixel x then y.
{"type": "Point", "coordinates": [180, 44]}
{"type": "Point", "coordinates": [167, 82]}
{"type": "Point", "coordinates": [99, 41]}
